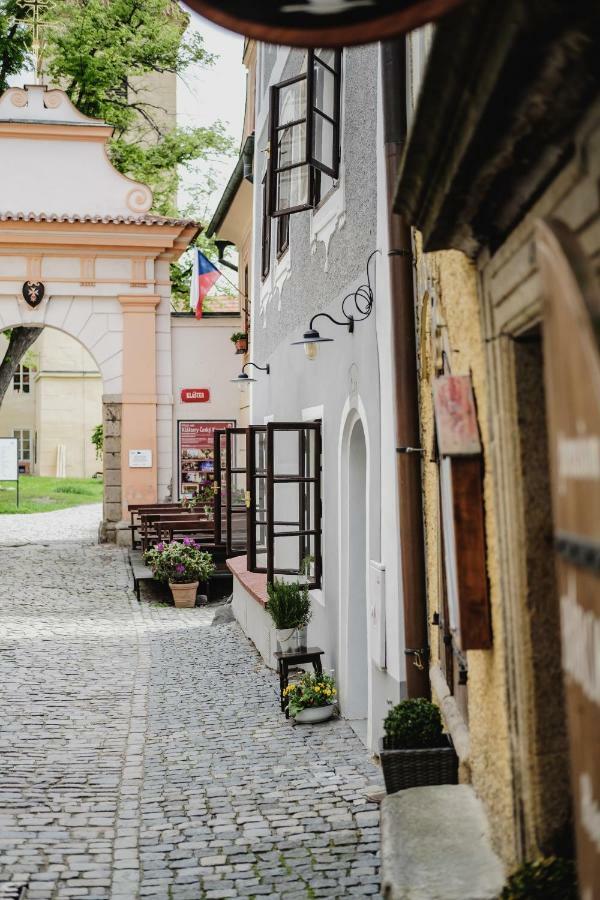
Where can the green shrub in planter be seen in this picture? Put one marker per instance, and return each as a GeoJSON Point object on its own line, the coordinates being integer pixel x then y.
{"type": "Point", "coordinates": [414, 724]}
{"type": "Point", "coordinates": [415, 751]}
{"type": "Point", "coordinates": [288, 604]}
{"type": "Point", "coordinates": [550, 878]}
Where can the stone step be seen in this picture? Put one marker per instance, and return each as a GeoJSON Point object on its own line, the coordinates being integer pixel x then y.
{"type": "Point", "coordinates": [435, 846]}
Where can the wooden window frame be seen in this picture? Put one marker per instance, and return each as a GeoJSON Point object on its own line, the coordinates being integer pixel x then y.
{"type": "Point", "coordinates": [310, 161]}
{"type": "Point", "coordinates": [265, 267]}
{"type": "Point", "coordinates": [19, 433]}
{"type": "Point", "coordinates": [252, 477]}
{"type": "Point", "coordinates": [307, 515]}
{"type": "Point", "coordinates": [302, 479]}
{"type": "Point", "coordinates": [283, 235]}
{"type": "Point", "coordinates": [21, 379]}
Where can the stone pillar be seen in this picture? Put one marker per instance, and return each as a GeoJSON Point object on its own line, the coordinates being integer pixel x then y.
{"type": "Point", "coordinates": [111, 512]}
{"type": "Point", "coordinates": [138, 426]}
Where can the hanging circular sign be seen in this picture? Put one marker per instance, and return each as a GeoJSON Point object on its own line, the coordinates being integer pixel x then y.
{"type": "Point", "coordinates": [322, 23]}
{"type": "Point", "coordinates": [33, 293]}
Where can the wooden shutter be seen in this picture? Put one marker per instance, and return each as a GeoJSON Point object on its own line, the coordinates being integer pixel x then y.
{"type": "Point", "coordinates": [463, 524]}
{"type": "Point", "coordinates": [294, 500]}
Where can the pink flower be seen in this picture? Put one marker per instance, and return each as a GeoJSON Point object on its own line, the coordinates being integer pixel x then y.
{"type": "Point", "coordinates": [187, 541]}
{"type": "Point", "coordinates": [180, 569]}
{"type": "Point", "coordinates": [160, 547]}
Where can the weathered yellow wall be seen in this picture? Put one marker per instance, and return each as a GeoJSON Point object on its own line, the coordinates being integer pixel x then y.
{"type": "Point", "coordinates": [448, 279]}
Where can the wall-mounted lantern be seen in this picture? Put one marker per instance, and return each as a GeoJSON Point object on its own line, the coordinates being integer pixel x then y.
{"type": "Point", "coordinates": [363, 299]}
{"type": "Point", "coordinates": [242, 379]}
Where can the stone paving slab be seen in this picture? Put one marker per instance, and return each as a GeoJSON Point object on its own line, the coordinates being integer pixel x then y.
{"type": "Point", "coordinates": [78, 523]}
{"type": "Point", "coordinates": [143, 753]}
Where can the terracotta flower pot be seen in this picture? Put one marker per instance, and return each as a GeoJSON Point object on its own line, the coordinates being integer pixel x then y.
{"type": "Point", "coordinates": [184, 595]}
{"type": "Point", "coordinates": [242, 345]}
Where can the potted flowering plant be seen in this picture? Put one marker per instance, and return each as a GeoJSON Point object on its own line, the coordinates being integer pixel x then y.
{"type": "Point", "coordinates": [183, 564]}
{"type": "Point", "coordinates": [240, 339]}
{"type": "Point", "coordinates": [312, 698]}
{"type": "Point", "coordinates": [415, 751]}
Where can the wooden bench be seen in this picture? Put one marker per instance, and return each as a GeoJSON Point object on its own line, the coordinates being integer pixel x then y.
{"type": "Point", "coordinates": [136, 509]}
{"type": "Point", "coordinates": [157, 527]}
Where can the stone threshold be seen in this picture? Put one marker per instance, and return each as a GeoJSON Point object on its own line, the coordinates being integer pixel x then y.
{"type": "Point", "coordinates": [435, 845]}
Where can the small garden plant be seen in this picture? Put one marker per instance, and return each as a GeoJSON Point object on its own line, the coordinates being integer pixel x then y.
{"type": "Point", "coordinates": [550, 878]}
{"type": "Point", "coordinates": [414, 724]}
{"type": "Point", "coordinates": [238, 336]}
{"type": "Point", "coordinates": [310, 692]}
{"type": "Point", "coordinates": [204, 497]}
{"type": "Point", "coordinates": [288, 604]}
{"type": "Point", "coordinates": [179, 562]}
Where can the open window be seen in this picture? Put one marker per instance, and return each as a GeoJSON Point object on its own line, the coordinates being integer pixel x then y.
{"type": "Point", "coordinates": [256, 497]}
{"type": "Point", "coordinates": [304, 133]}
{"type": "Point", "coordinates": [230, 497]}
{"type": "Point", "coordinates": [284, 506]}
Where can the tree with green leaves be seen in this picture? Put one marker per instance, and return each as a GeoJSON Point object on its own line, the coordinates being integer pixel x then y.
{"type": "Point", "coordinates": [103, 54]}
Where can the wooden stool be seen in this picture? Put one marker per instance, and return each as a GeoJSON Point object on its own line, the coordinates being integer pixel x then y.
{"type": "Point", "coordinates": [292, 658]}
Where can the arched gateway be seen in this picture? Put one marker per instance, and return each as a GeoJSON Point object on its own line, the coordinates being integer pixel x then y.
{"type": "Point", "coordinates": [70, 222]}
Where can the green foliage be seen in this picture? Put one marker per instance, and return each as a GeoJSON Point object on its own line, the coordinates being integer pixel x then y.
{"type": "Point", "coordinates": [15, 40]}
{"type": "Point", "coordinates": [550, 878]}
{"type": "Point", "coordinates": [180, 562]}
{"type": "Point", "coordinates": [414, 724]}
{"type": "Point", "coordinates": [42, 494]}
{"type": "Point", "coordinates": [204, 497]}
{"type": "Point", "coordinates": [98, 440]}
{"type": "Point", "coordinates": [310, 692]}
{"type": "Point", "coordinates": [238, 336]}
{"type": "Point", "coordinates": [288, 604]}
{"type": "Point", "coordinates": [101, 51]}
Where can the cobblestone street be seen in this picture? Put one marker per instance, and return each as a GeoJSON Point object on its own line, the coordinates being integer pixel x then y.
{"type": "Point", "coordinates": [143, 753]}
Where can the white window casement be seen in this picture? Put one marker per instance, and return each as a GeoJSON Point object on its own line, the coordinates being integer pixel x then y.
{"type": "Point", "coordinates": [23, 436]}
{"type": "Point", "coordinates": [22, 379]}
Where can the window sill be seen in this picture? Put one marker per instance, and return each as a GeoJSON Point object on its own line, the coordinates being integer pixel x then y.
{"type": "Point", "coordinates": [255, 583]}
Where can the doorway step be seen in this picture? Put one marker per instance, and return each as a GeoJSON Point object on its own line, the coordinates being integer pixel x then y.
{"type": "Point", "coordinates": [435, 846]}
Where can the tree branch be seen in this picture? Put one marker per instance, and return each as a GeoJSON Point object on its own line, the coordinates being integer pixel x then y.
{"type": "Point", "coordinates": [21, 339]}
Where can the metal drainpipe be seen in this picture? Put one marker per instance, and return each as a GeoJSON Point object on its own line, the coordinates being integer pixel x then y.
{"type": "Point", "coordinates": [408, 455]}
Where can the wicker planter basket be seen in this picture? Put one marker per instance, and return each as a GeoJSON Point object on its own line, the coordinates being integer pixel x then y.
{"type": "Point", "coordinates": [417, 768]}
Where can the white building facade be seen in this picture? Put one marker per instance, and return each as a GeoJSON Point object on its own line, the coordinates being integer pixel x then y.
{"type": "Point", "coordinates": [304, 265]}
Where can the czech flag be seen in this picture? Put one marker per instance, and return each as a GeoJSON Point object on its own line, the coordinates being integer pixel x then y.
{"type": "Point", "coordinates": [204, 275]}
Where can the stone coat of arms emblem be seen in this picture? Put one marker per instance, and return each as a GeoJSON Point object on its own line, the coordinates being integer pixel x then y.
{"type": "Point", "coordinates": [33, 293]}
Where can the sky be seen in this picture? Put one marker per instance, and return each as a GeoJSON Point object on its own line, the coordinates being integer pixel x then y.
{"type": "Point", "coordinates": [219, 92]}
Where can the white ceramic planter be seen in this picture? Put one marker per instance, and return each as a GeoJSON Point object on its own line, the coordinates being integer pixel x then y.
{"type": "Point", "coordinates": [184, 595]}
{"type": "Point", "coordinates": [317, 714]}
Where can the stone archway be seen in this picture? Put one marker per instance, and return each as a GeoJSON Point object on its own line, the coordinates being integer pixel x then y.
{"type": "Point", "coordinates": [72, 222]}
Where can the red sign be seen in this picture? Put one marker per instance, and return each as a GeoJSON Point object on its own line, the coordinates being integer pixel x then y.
{"type": "Point", "coordinates": [195, 395]}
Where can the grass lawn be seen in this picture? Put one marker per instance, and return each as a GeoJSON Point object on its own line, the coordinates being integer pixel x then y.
{"type": "Point", "coordinates": [37, 494]}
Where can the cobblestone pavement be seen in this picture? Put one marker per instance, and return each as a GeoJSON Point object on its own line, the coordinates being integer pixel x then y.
{"type": "Point", "coordinates": [143, 753]}
{"type": "Point", "coordinates": [79, 523]}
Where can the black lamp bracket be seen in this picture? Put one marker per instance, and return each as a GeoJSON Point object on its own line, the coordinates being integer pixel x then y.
{"type": "Point", "coordinates": [363, 299]}
{"type": "Point", "coordinates": [266, 368]}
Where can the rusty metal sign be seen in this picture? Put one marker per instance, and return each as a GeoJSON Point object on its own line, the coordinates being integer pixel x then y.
{"type": "Point", "coordinates": [572, 375]}
{"type": "Point", "coordinates": [322, 23]}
